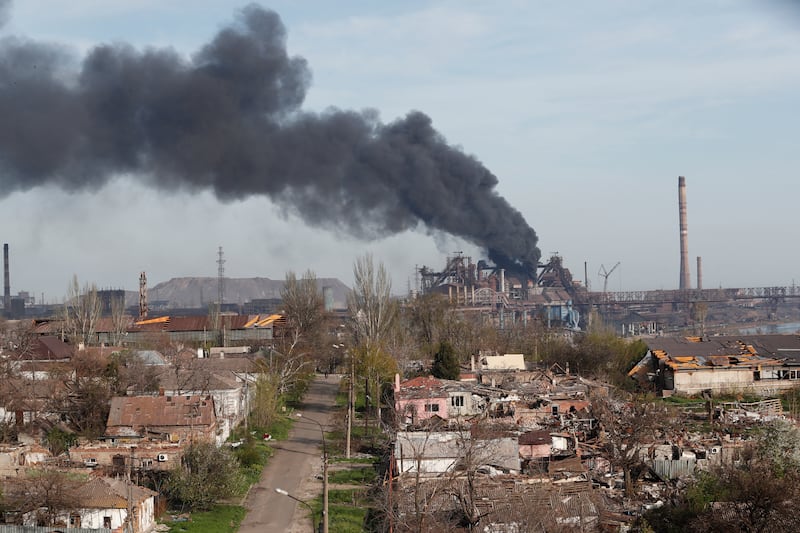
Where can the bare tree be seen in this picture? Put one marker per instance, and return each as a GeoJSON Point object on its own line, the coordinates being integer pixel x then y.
{"type": "Point", "coordinates": [303, 305]}
{"type": "Point", "coordinates": [215, 322]}
{"type": "Point", "coordinates": [81, 312]}
{"type": "Point", "coordinates": [370, 304]}
{"type": "Point", "coordinates": [373, 313]}
{"type": "Point", "coordinates": [44, 493]}
{"type": "Point", "coordinates": [627, 427]}
{"type": "Point", "coordinates": [442, 485]}
{"type": "Point", "coordinates": [119, 320]}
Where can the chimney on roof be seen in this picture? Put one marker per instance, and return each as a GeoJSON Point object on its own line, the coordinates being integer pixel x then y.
{"type": "Point", "coordinates": [685, 282]}
{"type": "Point", "coordinates": [396, 382]}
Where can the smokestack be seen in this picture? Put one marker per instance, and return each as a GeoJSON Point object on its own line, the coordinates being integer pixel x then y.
{"type": "Point", "coordinates": [7, 282]}
{"type": "Point", "coordinates": [685, 281]}
{"type": "Point", "coordinates": [503, 280]}
{"type": "Point", "coordinates": [143, 296]}
{"type": "Point", "coordinates": [699, 273]}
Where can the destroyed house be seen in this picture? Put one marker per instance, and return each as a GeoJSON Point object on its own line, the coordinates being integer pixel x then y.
{"type": "Point", "coordinates": [161, 418]}
{"type": "Point", "coordinates": [438, 452]}
{"type": "Point", "coordinates": [423, 398]}
{"type": "Point", "coordinates": [756, 364]}
{"type": "Point", "coordinates": [230, 382]}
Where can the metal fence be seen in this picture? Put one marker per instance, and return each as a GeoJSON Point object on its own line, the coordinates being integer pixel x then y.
{"type": "Point", "coordinates": [672, 469]}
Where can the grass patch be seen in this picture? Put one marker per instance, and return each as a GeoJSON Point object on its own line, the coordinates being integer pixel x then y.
{"type": "Point", "coordinates": [280, 428]}
{"type": "Point", "coordinates": [347, 508]}
{"type": "Point", "coordinates": [356, 460]}
{"type": "Point", "coordinates": [353, 476]}
{"type": "Point", "coordinates": [683, 400]}
{"type": "Point", "coordinates": [220, 518]}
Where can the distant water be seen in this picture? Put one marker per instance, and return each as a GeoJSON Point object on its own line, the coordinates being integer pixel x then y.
{"type": "Point", "coordinates": [772, 329]}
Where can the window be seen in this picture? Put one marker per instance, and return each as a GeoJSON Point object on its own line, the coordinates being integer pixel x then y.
{"type": "Point", "coordinates": [431, 407]}
{"type": "Point", "coordinates": [107, 522]}
{"type": "Point", "coordinates": [457, 401]}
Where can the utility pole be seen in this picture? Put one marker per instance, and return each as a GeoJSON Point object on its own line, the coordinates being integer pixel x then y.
{"type": "Point", "coordinates": [129, 528]}
{"type": "Point", "coordinates": [350, 409]}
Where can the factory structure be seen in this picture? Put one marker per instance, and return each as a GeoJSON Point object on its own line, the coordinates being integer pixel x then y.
{"type": "Point", "coordinates": [481, 287]}
{"type": "Point", "coordinates": [554, 299]}
{"type": "Point", "coordinates": [547, 295]}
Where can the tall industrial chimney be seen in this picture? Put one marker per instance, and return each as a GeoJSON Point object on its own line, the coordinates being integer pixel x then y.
{"type": "Point", "coordinates": [143, 296]}
{"type": "Point", "coordinates": [7, 282]}
{"type": "Point", "coordinates": [699, 273]}
{"type": "Point", "coordinates": [685, 280]}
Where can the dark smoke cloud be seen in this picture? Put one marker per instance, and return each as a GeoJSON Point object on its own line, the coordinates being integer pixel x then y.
{"type": "Point", "coordinates": [230, 120]}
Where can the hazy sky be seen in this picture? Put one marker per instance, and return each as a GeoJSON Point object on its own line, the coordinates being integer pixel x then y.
{"type": "Point", "coordinates": [587, 112]}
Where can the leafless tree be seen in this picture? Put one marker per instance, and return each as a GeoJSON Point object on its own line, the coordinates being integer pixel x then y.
{"type": "Point", "coordinates": [370, 303]}
{"type": "Point", "coordinates": [215, 322]}
{"type": "Point", "coordinates": [303, 305]}
{"type": "Point", "coordinates": [443, 501]}
{"type": "Point", "coordinates": [43, 493]}
{"type": "Point", "coordinates": [119, 320]}
{"type": "Point", "coordinates": [629, 424]}
{"type": "Point", "coordinates": [299, 339]}
{"type": "Point", "coordinates": [81, 312]}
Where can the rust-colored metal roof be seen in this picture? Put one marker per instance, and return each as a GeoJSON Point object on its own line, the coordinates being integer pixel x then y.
{"type": "Point", "coordinates": [204, 323]}
{"type": "Point", "coordinates": [163, 411]}
{"type": "Point", "coordinates": [149, 321]}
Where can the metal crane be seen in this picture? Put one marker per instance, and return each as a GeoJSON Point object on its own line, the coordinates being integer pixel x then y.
{"type": "Point", "coordinates": [606, 273]}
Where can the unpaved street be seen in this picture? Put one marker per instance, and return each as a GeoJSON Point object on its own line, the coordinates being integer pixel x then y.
{"type": "Point", "coordinates": [296, 462]}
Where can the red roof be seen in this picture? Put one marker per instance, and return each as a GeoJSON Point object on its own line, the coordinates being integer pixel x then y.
{"type": "Point", "coordinates": [422, 387]}
{"type": "Point", "coordinates": [47, 349]}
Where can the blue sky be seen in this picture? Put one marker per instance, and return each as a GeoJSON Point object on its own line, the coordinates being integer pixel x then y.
{"type": "Point", "coordinates": [587, 112]}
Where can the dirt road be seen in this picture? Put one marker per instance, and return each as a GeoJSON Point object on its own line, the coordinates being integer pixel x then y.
{"type": "Point", "coordinates": [293, 468]}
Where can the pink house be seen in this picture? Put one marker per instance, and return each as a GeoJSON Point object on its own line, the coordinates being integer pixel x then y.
{"type": "Point", "coordinates": [535, 445]}
{"type": "Point", "coordinates": [420, 399]}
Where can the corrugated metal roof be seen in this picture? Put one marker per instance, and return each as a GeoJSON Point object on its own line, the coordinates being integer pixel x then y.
{"type": "Point", "coordinates": [204, 323]}
{"type": "Point", "coordinates": [179, 411]}
{"type": "Point", "coordinates": [686, 353]}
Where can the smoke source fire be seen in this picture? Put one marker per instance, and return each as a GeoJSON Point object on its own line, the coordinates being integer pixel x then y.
{"type": "Point", "coordinates": [230, 120]}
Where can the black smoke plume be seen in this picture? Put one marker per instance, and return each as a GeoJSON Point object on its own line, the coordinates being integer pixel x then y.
{"type": "Point", "coordinates": [230, 120]}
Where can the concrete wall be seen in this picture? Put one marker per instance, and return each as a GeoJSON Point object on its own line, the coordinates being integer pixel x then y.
{"type": "Point", "coordinates": [729, 380]}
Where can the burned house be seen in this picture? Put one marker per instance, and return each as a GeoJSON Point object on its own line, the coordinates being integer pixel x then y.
{"type": "Point", "coordinates": [762, 365]}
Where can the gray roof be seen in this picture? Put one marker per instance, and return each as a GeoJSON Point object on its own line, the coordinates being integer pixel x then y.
{"type": "Point", "coordinates": [150, 357]}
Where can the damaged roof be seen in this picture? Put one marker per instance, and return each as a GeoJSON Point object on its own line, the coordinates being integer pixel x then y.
{"type": "Point", "coordinates": [107, 493]}
{"type": "Point", "coordinates": [685, 353]}
{"type": "Point", "coordinates": [161, 411]}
